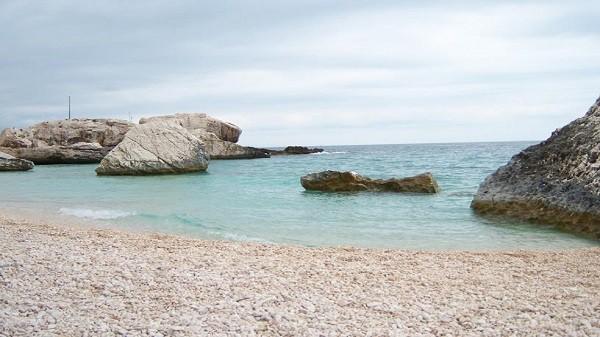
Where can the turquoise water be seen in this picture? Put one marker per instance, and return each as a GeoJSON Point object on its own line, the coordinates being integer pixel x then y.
{"type": "Point", "coordinates": [262, 200]}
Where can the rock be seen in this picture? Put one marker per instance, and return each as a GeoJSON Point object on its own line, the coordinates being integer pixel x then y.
{"type": "Point", "coordinates": [10, 163]}
{"type": "Point", "coordinates": [334, 181]}
{"type": "Point", "coordinates": [293, 150]}
{"type": "Point", "coordinates": [555, 182]}
{"type": "Point", "coordinates": [219, 137]}
{"type": "Point", "coordinates": [60, 154]}
{"type": "Point", "coordinates": [221, 149]}
{"type": "Point", "coordinates": [75, 141]}
{"type": "Point", "coordinates": [155, 148]}
{"type": "Point", "coordinates": [194, 121]}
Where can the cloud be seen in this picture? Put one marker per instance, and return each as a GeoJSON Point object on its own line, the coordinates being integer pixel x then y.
{"type": "Point", "coordinates": [330, 71]}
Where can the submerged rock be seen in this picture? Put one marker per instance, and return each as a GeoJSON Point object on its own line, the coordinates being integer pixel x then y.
{"type": "Point", "coordinates": [156, 148]}
{"type": "Point", "coordinates": [10, 163]}
{"type": "Point", "coordinates": [335, 181]}
{"type": "Point", "coordinates": [555, 182]}
{"type": "Point", "coordinates": [293, 150]}
{"type": "Point", "coordinates": [219, 137]}
{"type": "Point", "coordinates": [75, 141]}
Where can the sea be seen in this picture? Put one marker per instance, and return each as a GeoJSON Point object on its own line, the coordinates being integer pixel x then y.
{"type": "Point", "coordinates": [261, 200]}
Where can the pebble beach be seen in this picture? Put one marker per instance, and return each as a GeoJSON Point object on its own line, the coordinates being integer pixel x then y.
{"type": "Point", "coordinates": [59, 280]}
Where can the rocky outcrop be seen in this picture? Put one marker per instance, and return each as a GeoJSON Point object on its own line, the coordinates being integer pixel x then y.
{"type": "Point", "coordinates": [10, 163]}
{"type": "Point", "coordinates": [200, 121]}
{"type": "Point", "coordinates": [294, 150]}
{"type": "Point", "coordinates": [220, 149]}
{"type": "Point", "coordinates": [155, 148]}
{"type": "Point", "coordinates": [334, 181]}
{"type": "Point", "coordinates": [75, 141]}
{"type": "Point", "coordinates": [554, 182]}
{"type": "Point", "coordinates": [219, 137]}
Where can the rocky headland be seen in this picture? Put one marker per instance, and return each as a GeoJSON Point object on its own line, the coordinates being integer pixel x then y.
{"type": "Point", "coordinates": [76, 141]}
{"type": "Point", "coordinates": [220, 138]}
{"type": "Point", "coordinates": [335, 181]}
{"type": "Point", "coordinates": [83, 141]}
{"type": "Point", "coordinates": [555, 182]}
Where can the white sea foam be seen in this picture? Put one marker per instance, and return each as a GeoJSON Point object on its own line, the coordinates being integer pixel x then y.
{"type": "Point", "coordinates": [239, 237]}
{"type": "Point", "coordinates": [327, 152]}
{"type": "Point", "coordinates": [96, 214]}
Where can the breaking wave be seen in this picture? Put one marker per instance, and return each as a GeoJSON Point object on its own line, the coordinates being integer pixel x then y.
{"type": "Point", "coordinates": [327, 152]}
{"type": "Point", "coordinates": [96, 214]}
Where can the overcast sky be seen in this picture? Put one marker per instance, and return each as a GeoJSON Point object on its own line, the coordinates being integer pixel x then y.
{"type": "Point", "coordinates": [307, 72]}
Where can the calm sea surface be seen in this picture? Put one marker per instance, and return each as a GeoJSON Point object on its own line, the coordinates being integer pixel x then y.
{"type": "Point", "coordinates": [262, 200]}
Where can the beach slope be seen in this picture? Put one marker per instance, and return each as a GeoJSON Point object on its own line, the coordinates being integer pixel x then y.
{"type": "Point", "coordinates": [58, 280]}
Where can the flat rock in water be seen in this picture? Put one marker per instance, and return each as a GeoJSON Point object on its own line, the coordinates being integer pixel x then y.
{"type": "Point", "coordinates": [10, 163]}
{"type": "Point", "coordinates": [294, 150]}
{"type": "Point", "coordinates": [554, 182]}
{"type": "Point", "coordinates": [156, 148]}
{"type": "Point", "coordinates": [335, 181]}
{"type": "Point", "coordinates": [75, 141]}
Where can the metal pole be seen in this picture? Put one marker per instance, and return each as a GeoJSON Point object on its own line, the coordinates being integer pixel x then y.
{"type": "Point", "coordinates": [69, 107]}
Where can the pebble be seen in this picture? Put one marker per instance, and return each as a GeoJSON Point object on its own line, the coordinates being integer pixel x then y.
{"type": "Point", "coordinates": [59, 280]}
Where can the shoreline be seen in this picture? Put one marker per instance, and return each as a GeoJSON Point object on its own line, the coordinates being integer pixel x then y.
{"type": "Point", "coordinates": [66, 221]}
{"type": "Point", "coordinates": [68, 280]}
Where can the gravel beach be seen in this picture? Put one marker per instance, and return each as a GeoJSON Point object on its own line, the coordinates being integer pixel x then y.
{"type": "Point", "coordinates": [77, 281]}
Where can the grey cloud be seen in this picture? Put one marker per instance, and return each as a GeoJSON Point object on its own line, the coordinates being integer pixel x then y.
{"type": "Point", "coordinates": [307, 66]}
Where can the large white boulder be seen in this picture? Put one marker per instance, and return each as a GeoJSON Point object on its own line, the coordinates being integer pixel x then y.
{"type": "Point", "coordinates": [155, 148]}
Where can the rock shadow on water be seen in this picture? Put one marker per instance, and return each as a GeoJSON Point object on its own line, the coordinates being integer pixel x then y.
{"type": "Point", "coordinates": [522, 226]}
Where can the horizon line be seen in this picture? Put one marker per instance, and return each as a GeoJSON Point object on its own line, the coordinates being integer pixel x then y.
{"type": "Point", "coordinates": [416, 143]}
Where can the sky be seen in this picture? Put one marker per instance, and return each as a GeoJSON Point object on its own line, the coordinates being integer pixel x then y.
{"type": "Point", "coordinates": [313, 72]}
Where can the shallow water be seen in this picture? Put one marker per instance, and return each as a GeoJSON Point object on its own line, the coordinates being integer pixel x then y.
{"type": "Point", "coordinates": [262, 200]}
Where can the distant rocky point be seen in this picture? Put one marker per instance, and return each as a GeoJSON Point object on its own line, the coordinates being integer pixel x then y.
{"type": "Point", "coordinates": [294, 150]}
{"type": "Point", "coordinates": [335, 181]}
{"type": "Point", "coordinates": [10, 163]}
{"type": "Point", "coordinates": [76, 141]}
{"type": "Point", "coordinates": [554, 182]}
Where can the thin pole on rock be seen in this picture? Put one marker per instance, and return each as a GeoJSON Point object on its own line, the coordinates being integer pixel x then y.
{"type": "Point", "coordinates": [69, 107]}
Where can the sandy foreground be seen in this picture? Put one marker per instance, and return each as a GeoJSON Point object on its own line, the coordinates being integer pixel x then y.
{"type": "Point", "coordinates": [75, 281]}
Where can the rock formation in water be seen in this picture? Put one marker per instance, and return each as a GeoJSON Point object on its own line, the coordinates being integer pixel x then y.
{"type": "Point", "coordinates": [221, 149]}
{"type": "Point", "coordinates": [201, 121]}
{"type": "Point", "coordinates": [334, 181]}
{"type": "Point", "coordinates": [10, 163]}
{"type": "Point", "coordinates": [294, 150]}
{"type": "Point", "coordinates": [75, 141]}
{"type": "Point", "coordinates": [554, 182]}
{"type": "Point", "coordinates": [219, 137]}
{"type": "Point", "coordinates": [155, 148]}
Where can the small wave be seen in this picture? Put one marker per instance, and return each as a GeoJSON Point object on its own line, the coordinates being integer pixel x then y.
{"type": "Point", "coordinates": [96, 214]}
{"type": "Point", "coordinates": [327, 152]}
{"type": "Point", "coordinates": [239, 237]}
